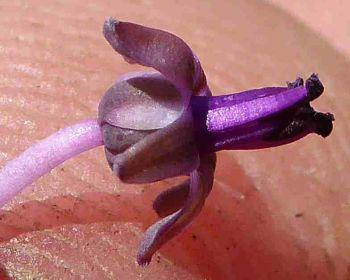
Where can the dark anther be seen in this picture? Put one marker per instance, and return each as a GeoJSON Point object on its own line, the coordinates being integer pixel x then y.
{"type": "Point", "coordinates": [297, 83]}
{"type": "Point", "coordinates": [305, 118]}
{"type": "Point", "coordinates": [291, 130]}
{"type": "Point", "coordinates": [323, 123]}
{"type": "Point", "coordinates": [314, 87]}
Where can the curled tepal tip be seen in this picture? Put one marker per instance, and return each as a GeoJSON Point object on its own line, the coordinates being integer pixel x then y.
{"type": "Point", "coordinates": [109, 32]}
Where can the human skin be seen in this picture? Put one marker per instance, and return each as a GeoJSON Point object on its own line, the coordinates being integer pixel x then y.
{"type": "Point", "coordinates": [279, 213]}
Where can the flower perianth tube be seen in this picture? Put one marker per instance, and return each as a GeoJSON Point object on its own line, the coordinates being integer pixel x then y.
{"type": "Point", "coordinates": [45, 155]}
{"type": "Point", "coordinates": [260, 118]}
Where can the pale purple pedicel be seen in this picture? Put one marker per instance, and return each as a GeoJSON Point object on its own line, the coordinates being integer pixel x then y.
{"type": "Point", "coordinates": [164, 124]}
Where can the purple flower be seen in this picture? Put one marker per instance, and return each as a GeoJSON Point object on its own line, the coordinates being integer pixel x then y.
{"type": "Point", "coordinates": [150, 133]}
{"type": "Point", "coordinates": [166, 123]}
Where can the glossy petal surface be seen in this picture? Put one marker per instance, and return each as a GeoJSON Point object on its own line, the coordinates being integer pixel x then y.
{"type": "Point", "coordinates": [174, 198]}
{"type": "Point", "coordinates": [141, 102]}
{"type": "Point", "coordinates": [246, 107]}
{"type": "Point", "coordinates": [201, 180]}
{"type": "Point", "coordinates": [171, 199]}
{"type": "Point", "coordinates": [168, 152]}
{"type": "Point", "coordinates": [161, 50]}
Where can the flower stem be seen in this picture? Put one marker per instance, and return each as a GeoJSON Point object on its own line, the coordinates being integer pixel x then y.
{"type": "Point", "coordinates": [45, 155]}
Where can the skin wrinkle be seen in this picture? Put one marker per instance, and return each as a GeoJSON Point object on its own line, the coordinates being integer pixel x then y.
{"type": "Point", "coordinates": [227, 81]}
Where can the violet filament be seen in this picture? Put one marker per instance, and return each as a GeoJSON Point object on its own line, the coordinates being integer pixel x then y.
{"type": "Point", "coordinates": [45, 155]}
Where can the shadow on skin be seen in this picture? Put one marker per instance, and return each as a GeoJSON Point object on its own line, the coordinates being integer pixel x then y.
{"type": "Point", "coordinates": [3, 274]}
{"type": "Point", "coordinates": [236, 237]}
{"type": "Point", "coordinates": [233, 235]}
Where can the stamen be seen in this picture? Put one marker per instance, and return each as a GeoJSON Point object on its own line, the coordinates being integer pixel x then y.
{"type": "Point", "coordinates": [314, 87]}
{"type": "Point", "coordinates": [323, 123]}
{"type": "Point", "coordinates": [297, 83]}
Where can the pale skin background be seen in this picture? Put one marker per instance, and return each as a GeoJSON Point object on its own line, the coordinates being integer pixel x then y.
{"type": "Point", "coordinates": [273, 214]}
